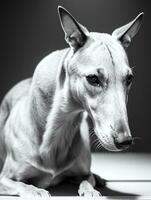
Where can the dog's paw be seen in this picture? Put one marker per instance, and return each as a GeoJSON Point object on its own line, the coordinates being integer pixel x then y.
{"type": "Point", "coordinates": [32, 191]}
{"type": "Point", "coordinates": [86, 189]}
{"type": "Point", "coordinates": [5, 190]}
{"type": "Point", "coordinates": [89, 193]}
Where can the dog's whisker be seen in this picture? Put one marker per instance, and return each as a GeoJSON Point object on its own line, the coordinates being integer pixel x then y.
{"type": "Point", "coordinates": [95, 141]}
{"type": "Point", "coordinates": [96, 144]}
{"type": "Point", "coordinates": [99, 146]}
{"type": "Point", "coordinates": [92, 136]}
{"type": "Point", "coordinates": [136, 138]}
{"type": "Point", "coordinates": [133, 68]}
{"type": "Point", "coordinates": [91, 132]}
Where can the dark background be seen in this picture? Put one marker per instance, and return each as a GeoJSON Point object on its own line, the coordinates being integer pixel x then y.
{"type": "Point", "coordinates": [30, 30]}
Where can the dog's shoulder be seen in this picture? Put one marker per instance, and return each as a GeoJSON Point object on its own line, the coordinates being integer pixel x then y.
{"type": "Point", "coordinates": [46, 71]}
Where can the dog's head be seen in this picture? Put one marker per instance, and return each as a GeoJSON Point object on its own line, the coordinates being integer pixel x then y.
{"type": "Point", "coordinates": [99, 77]}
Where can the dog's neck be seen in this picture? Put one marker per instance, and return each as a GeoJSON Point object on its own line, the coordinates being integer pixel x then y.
{"type": "Point", "coordinates": [57, 119]}
{"type": "Point", "coordinates": [62, 125]}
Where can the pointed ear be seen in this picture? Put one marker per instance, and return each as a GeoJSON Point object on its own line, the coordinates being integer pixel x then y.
{"type": "Point", "coordinates": [75, 33]}
{"type": "Point", "coordinates": [128, 31]}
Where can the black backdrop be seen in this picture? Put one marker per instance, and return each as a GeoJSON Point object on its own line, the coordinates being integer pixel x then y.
{"type": "Point", "coordinates": [31, 29]}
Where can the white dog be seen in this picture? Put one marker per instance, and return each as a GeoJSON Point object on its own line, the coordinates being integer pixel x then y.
{"type": "Point", "coordinates": [45, 120]}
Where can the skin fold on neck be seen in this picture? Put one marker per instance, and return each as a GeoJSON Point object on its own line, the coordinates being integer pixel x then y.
{"type": "Point", "coordinates": [62, 131]}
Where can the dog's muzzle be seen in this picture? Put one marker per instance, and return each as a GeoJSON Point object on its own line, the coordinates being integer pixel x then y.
{"type": "Point", "coordinates": [122, 142]}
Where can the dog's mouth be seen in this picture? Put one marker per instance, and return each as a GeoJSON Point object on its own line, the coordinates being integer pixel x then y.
{"type": "Point", "coordinates": [102, 141]}
{"type": "Point", "coordinates": [110, 145]}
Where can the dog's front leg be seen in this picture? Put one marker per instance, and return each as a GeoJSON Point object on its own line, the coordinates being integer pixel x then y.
{"type": "Point", "coordinates": [10, 187]}
{"type": "Point", "coordinates": [86, 187]}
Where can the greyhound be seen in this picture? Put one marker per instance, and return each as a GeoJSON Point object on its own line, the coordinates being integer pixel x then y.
{"type": "Point", "coordinates": [45, 120]}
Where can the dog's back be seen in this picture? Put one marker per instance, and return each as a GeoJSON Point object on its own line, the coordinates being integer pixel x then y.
{"type": "Point", "coordinates": [19, 91]}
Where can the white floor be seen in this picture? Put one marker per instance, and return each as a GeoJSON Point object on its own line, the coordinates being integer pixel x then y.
{"type": "Point", "coordinates": [128, 177]}
{"type": "Point", "coordinates": [128, 174]}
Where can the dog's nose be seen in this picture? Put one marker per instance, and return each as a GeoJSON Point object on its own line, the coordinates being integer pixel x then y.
{"type": "Point", "coordinates": [123, 142]}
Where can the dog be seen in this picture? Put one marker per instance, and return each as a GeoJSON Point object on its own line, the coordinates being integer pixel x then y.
{"type": "Point", "coordinates": [45, 120]}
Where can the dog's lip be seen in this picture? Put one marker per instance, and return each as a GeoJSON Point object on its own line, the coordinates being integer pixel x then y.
{"type": "Point", "coordinates": [112, 148]}
{"type": "Point", "coordinates": [121, 148]}
{"type": "Point", "coordinates": [107, 146]}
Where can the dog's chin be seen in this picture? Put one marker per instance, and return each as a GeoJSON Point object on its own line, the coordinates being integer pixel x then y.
{"type": "Point", "coordinates": [113, 148]}
{"type": "Point", "coordinates": [109, 147]}
{"type": "Point", "coordinates": [108, 143]}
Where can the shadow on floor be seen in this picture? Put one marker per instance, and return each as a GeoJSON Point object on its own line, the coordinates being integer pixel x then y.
{"type": "Point", "coordinates": [70, 189]}
{"type": "Point", "coordinates": [105, 191]}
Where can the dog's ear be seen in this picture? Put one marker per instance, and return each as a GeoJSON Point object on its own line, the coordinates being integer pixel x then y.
{"type": "Point", "coordinates": [128, 31]}
{"type": "Point", "coordinates": [75, 33]}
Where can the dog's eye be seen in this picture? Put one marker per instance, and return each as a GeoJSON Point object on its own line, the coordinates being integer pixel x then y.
{"type": "Point", "coordinates": [93, 80]}
{"type": "Point", "coordinates": [129, 79]}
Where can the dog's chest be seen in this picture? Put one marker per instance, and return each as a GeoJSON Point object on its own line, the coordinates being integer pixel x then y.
{"type": "Point", "coordinates": [76, 163]}
{"type": "Point", "coordinates": [78, 168]}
